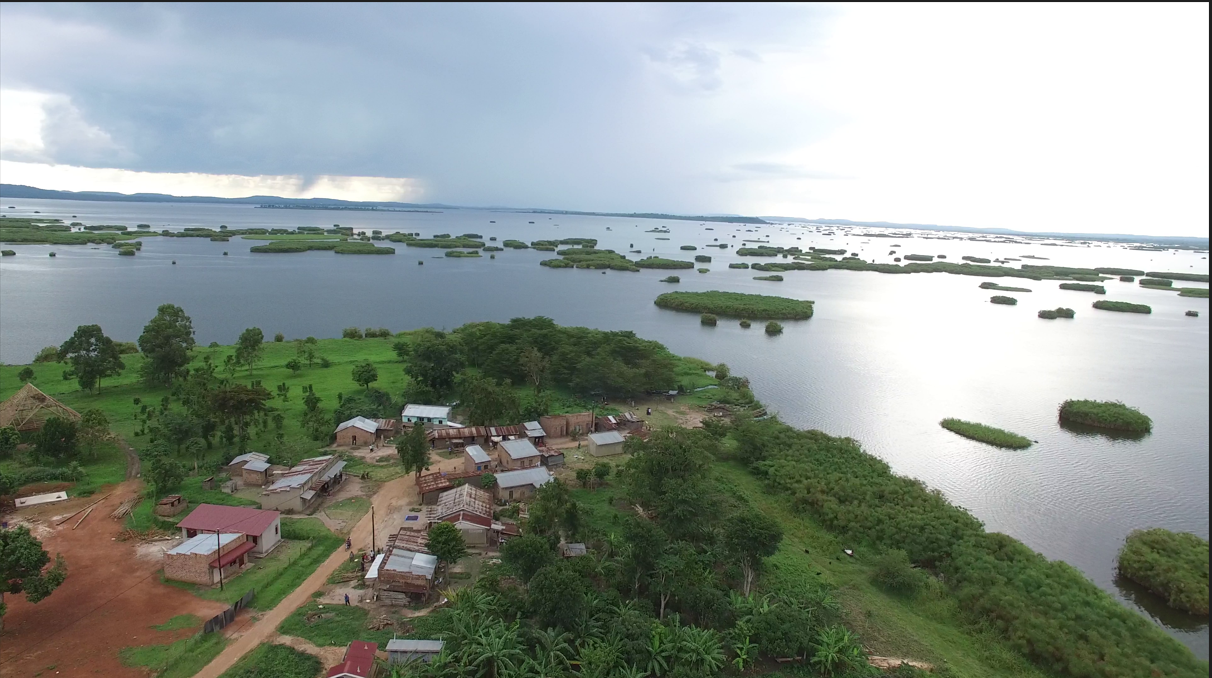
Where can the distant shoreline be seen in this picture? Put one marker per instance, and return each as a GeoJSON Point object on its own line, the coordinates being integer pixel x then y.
{"type": "Point", "coordinates": [355, 208]}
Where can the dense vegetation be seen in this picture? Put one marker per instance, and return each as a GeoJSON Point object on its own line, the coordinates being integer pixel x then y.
{"type": "Point", "coordinates": [53, 231]}
{"type": "Point", "coordinates": [774, 328]}
{"type": "Point", "coordinates": [986, 434]}
{"type": "Point", "coordinates": [738, 265]}
{"type": "Point", "coordinates": [769, 278]}
{"type": "Point", "coordinates": [1174, 565]}
{"type": "Point", "coordinates": [1122, 306]}
{"type": "Point", "coordinates": [1059, 312]}
{"type": "Point", "coordinates": [588, 257]}
{"type": "Point", "coordinates": [671, 279]}
{"type": "Point", "coordinates": [658, 262]}
{"type": "Point", "coordinates": [1197, 292]}
{"type": "Point", "coordinates": [736, 305]}
{"type": "Point", "coordinates": [1005, 301]}
{"type": "Point", "coordinates": [1104, 414]}
{"type": "Point", "coordinates": [1046, 609]}
{"type": "Point", "coordinates": [1126, 278]}
{"type": "Point", "coordinates": [1084, 287]}
{"type": "Point", "coordinates": [340, 247]}
{"type": "Point", "coordinates": [1119, 271]}
{"type": "Point", "coordinates": [1192, 277]}
{"type": "Point", "coordinates": [1002, 288]}
{"type": "Point", "coordinates": [1156, 282]}
{"type": "Point", "coordinates": [708, 319]}
{"type": "Point", "coordinates": [457, 254]}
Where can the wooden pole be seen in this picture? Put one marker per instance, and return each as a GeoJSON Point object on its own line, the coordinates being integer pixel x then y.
{"type": "Point", "coordinates": [73, 515]}
{"type": "Point", "coordinates": [90, 510]}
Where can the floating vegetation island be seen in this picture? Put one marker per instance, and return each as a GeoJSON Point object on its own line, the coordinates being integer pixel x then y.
{"type": "Point", "coordinates": [986, 434]}
{"type": "Point", "coordinates": [1174, 565]}
{"type": "Point", "coordinates": [1053, 314]}
{"type": "Point", "coordinates": [1122, 307]}
{"type": "Point", "coordinates": [1105, 414]}
{"type": "Point", "coordinates": [737, 305]}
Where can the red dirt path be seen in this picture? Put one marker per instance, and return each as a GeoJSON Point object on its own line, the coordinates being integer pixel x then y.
{"type": "Point", "coordinates": [108, 601]}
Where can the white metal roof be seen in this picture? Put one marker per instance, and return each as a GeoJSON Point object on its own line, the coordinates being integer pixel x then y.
{"type": "Point", "coordinates": [257, 466]}
{"type": "Point", "coordinates": [519, 449]}
{"type": "Point", "coordinates": [400, 560]}
{"type": "Point", "coordinates": [606, 437]}
{"type": "Point", "coordinates": [533, 429]}
{"type": "Point", "coordinates": [426, 411]}
{"type": "Point", "coordinates": [536, 476]}
{"type": "Point", "coordinates": [359, 422]}
{"type": "Point", "coordinates": [203, 544]}
{"type": "Point", "coordinates": [250, 456]}
{"type": "Point", "coordinates": [477, 454]}
{"type": "Point", "coordinates": [373, 572]}
{"type": "Point", "coordinates": [406, 645]}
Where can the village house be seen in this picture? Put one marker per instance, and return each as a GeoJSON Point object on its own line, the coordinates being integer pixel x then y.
{"type": "Point", "coordinates": [299, 489]}
{"type": "Point", "coordinates": [453, 437]}
{"type": "Point", "coordinates": [520, 485]}
{"type": "Point", "coordinates": [574, 550]}
{"type": "Point", "coordinates": [170, 505]}
{"type": "Point", "coordinates": [263, 529]}
{"type": "Point", "coordinates": [358, 661]}
{"type": "Point", "coordinates": [404, 651]}
{"type": "Point", "coordinates": [401, 576]}
{"type": "Point", "coordinates": [236, 465]}
{"type": "Point", "coordinates": [552, 458]}
{"type": "Point", "coordinates": [198, 560]}
{"type": "Point", "coordinates": [518, 454]}
{"type": "Point", "coordinates": [425, 414]}
{"type": "Point", "coordinates": [562, 425]}
{"type": "Point", "coordinates": [363, 431]}
{"type": "Point", "coordinates": [255, 473]}
{"type": "Point", "coordinates": [469, 508]}
{"type": "Point", "coordinates": [476, 459]}
{"type": "Point", "coordinates": [534, 433]}
{"type": "Point", "coordinates": [432, 485]}
{"type": "Point", "coordinates": [605, 444]}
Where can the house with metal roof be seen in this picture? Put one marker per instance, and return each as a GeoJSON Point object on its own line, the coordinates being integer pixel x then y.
{"type": "Point", "coordinates": [207, 557]}
{"type": "Point", "coordinates": [534, 432]}
{"type": "Point", "coordinates": [363, 431]}
{"type": "Point", "coordinates": [358, 661]}
{"type": "Point", "coordinates": [404, 651]}
{"type": "Point", "coordinates": [521, 485]}
{"type": "Point", "coordinates": [425, 414]}
{"type": "Point", "coordinates": [606, 443]}
{"type": "Point", "coordinates": [236, 464]}
{"type": "Point", "coordinates": [468, 508]}
{"type": "Point", "coordinates": [476, 459]}
{"type": "Point", "coordinates": [255, 473]}
{"type": "Point", "coordinates": [262, 528]}
{"type": "Point", "coordinates": [518, 454]}
{"type": "Point", "coordinates": [300, 488]}
{"type": "Point", "coordinates": [402, 576]}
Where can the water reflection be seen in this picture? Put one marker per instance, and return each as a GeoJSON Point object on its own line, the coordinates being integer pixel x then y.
{"type": "Point", "coordinates": [1157, 608]}
{"type": "Point", "coordinates": [1087, 431]}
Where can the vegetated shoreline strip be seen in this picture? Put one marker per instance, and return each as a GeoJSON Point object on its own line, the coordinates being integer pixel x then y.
{"type": "Point", "coordinates": [986, 434]}
{"type": "Point", "coordinates": [1174, 565]}
{"type": "Point", "coordinates": [737, 305]}
{"type": "Point", "coordinates": [1105, 414]}
{"type": "Point", "coordinates": [1122, 306]}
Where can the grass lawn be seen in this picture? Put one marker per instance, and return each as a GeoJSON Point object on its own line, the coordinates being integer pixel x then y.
{"type": "Point", "coordinates": [349, 509]}
{"type": "Point", "coordinates": [181, 621]}
{"type": "Point", "coordinates": [275, 661]}
{"type": "Point", "coordinates": [181, 659]}
{"type": "Point", "coordinates": [332, 625]}
{"type": "Point", "coordinates": [928, 627]}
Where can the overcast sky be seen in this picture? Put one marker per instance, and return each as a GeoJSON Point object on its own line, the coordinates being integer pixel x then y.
{"type": "Point", "coordinates": [1035, 117]}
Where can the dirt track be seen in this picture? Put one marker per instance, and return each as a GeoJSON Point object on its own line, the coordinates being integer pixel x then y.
{"type": "Point", "coordinates": [109, 600]}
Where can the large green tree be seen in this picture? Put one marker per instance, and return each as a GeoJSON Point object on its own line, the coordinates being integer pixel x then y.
{"type": "Point", "coordinates": [93, 430]}
{"type": "Point", "coordinates": [751, 536]}
{"type": "Point", "coordinates": [9, 439]}
{"type": "Point", "coordinates": [527, 554]}
{"type": "Point", "coordinates": [556, 595]}
{"type": "Point", "coordinates": [447, 544]}
{"type": "Point", "coordinates": [55, 442]}
{"type": "Point", "coordinates": [238, 404]}
{"type": "Point", "coordinates": [667, 474]}
{"type": "Point", "coordinates": [364, 374]}
{"type": "Point", "coordinates": [487, 401]}
{"type": "Point", "coordinates": [433, 360]}
{"type": "Point", "coordinates": [413, 448]}
{"type": "Point", "coordinates": [250, 347]}
{"type": "Point", "coordinates": [92, 356]}
{"type": "Point", "coordinates": [166, 343]}
{"type": "Point", "coordinates": [23, 567]}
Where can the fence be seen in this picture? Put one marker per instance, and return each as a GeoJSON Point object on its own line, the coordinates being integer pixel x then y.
{"type": "Point", "coordinates": [227, 616]}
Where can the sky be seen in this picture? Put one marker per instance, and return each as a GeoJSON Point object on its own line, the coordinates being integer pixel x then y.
{"type": "Point", "coordinates": [1036, 117]}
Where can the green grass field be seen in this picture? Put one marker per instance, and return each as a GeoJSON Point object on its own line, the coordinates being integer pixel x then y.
{"type": "Point", "coordinates": [275, 661]}
{"type": "Point", "coordinates": [181, 659]}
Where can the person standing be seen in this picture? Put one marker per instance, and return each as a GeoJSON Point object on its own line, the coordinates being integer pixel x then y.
{"type": "Point", "coordinates": [347, 599]}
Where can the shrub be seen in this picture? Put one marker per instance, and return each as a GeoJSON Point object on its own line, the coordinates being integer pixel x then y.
{"type": "Point", "coordinates": [1122, 307]}
{"type": "Point", "coordinates": [48, 354]}
{"type": "Point", "coordinates": [1104, 414]}
{"type": "Point", "coordinates": [1156, 282]}
{"type": "Point", "coordinates": [736, 305]}
{"type": "Point", "coordinates": [351, 333]}
{"type": "Point", "coordinates": [1174, 565]}
{"type": "Point", "coordinates": [1005, 301]}
{"type": "Point", "coordinates": [126, 252]}
{"type": "Point", "coordinates": [1084, 287]}
{"type": "Point", "coordinates": [773, 328]}
{"type": "Point", "coordinates": [279, 338]}
{"type": "Point", "coordinates": [707, 319]}
{"type": "Point", "coordinates": [671, 279]}
{"type": "Point", "coordinates": [894, 572]}
{"type": "Point", "coordinates": [986, 434]}
{"type": "Point", "coordinates": [702, 258]}
{"type": "Point", "coordinates": [745, 323]}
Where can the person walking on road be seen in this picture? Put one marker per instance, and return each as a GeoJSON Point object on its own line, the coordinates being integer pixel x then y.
{"type": "Point", "coordinates": [346, 598]}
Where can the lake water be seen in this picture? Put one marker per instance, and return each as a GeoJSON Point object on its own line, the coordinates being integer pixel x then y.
{"type": "Point", "coordinates": [883, 360]}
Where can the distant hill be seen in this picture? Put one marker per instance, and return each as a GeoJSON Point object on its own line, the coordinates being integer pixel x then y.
{"type": "Point", "coordinates": [19, 191]}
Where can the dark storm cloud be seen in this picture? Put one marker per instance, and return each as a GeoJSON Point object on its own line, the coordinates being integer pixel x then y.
{"type": "Point", "coordinates": [598, 107]}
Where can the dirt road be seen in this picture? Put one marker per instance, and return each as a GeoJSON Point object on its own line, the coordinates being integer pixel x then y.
{"type": "Point", "coordinates": [109, 601]}
{"type": "Point", "coordinates": [391, 504]}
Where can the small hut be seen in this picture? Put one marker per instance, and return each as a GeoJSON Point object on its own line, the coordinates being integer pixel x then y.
{"type": "Point", "coordinates": [29, 408]}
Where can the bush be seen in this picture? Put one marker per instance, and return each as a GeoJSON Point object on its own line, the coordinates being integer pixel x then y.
{"type": "Point", "coordinates": [1122, 307]}
{"type": "Point", "coordinates": [737, 305]}
{"type": "Point", "coordinates": [671, 279]}
{"type": "Point", "coordinates": [707, 319]}
{"type": "Point", "coordinates": [48, 354]}
{"type": "Point", "coordinates": [1084, 287]}
{"type": "Point", "coordinates": [279, 337]}
{"type": "Point", "coordinates": [1174, 565]}
{"type": "Point", "coordinates": [1005, 301]}
{"type": "Point", "coordinates": [351, 333]}
{"type": "Point", "coordinates": [986, 434]}
{"type": "Point", "coordinates": [1156, 282]}
{"type": "Point", "coordinates": [1105, 414]}
{"type": "Point", "coordinates": [894, 572]}
{"type": "Point", "coordinates": [745, 323]}
{"type": "Point", "coordinates": [773, 328]}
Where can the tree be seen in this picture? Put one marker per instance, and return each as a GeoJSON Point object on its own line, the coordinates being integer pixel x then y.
{"type": "Point", "coordinates": [250, 347]}
{"type": "Point", "coordinates": [305, 349]}
{"type": "Point", "coordinates": [556, 595]}
{"type": "Point", "coordinates": [165, 343]}
{"type": "Point", "coordinates": [668, 474]}
{"type": "Point", "coordinates": [177, 428]}
{"type": "Point", "coordinates": [434, 358]}
{"type": "Point", "coordinates": [94, 430]}
{"type": "Point", "coordinates": [535, 365]}
{"type": "Point", "coordinates": [722, 371]}
{"type": "Point", "coordinates": [601, 471]}
{"type": "Point", "coordinates": [26, 374]}
{"type": "Point", "coordinates": [365, 374]}
{"type": "Point", "coordinates": [527, 554]}
{"type": "Point", "coordinates": [10, 438]}
{"type": "Point", "coordinates": [165, 473]}
{"type": "Point", "coordinates": [238, 403]}
{"type": "Point", "coordinates": [487, 481]}
{"type": "Point", "coordinates": [553, 512]}
{"type": "Point", "coordinates": [893, 571]}
{"type": "Point", "coordinates": [55, 442]}
{"type": "Point", "coordinates": [294, 365]}
{"type": "Point", "coordinates": [487, 401]}
{"type": "Point", "coordinates": [678, 572]}
{"type": "Point", "coordinates": [23, 567]}
{"type": "Point", "coordinates": [413, 449]}
{"type": "Point", "coordinates": [584, 475]}
{"type": "Point", "coordinates": [446, 543]}
{"type": "Point", "coordinates": [92, 356]}
{"type": "Point", "coordinates": [751, 536]}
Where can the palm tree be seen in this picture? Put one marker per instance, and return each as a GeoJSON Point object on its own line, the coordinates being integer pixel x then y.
{"type": "Point", "coordinates": [495, 651]}
{"type": "Point", "coordinates": [599, 658]}
{"type": "Point", "coordinates": [552, 653]}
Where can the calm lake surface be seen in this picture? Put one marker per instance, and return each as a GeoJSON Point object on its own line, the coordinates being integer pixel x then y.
{"type": "Point", "coordinates": [883, 360]}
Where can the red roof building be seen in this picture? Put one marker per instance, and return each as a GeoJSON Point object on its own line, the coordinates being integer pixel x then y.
{"type": "Point", "coordinates": [263, 529]}
{"type": "Point", "coordinates": [359, 661]}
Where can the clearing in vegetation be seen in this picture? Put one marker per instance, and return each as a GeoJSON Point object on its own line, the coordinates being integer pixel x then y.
{"type": "Point", "coordinates": [737, 305]}
{"type": "Point", "coordinates": [986, 434]}
{"type": "Point", "coordinates": [1105, 414]}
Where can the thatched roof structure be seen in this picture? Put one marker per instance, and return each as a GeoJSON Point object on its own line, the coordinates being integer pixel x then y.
{"type": "Point", "coordinates": [29, 409]}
